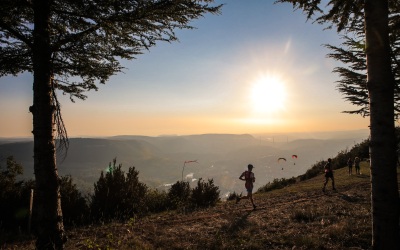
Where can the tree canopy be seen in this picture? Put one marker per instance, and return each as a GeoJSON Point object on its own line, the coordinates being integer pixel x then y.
{"type": "Point", "coordinates": [87, 38]}
{"type": "Point", "coordinates": [73, 46]}
{"type": "Point", "coordinates": [353, 77]}
{"type": "Point", "coordinates": [373, 20]}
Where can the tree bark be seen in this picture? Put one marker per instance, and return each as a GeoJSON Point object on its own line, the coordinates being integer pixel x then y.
{"type": "Point", "coordinates": [50, 229]}
{"type": "Point", "coordinates": [384, 187]}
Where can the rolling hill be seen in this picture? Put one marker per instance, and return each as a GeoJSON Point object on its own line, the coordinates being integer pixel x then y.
{"type": "Point", "coordinates": [299, 216]}
{"type": "Point", "coordinates": [160, 160]}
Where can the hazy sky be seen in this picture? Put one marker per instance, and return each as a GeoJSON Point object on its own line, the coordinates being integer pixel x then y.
{"type": "Point", "coordinates": [216, 79]}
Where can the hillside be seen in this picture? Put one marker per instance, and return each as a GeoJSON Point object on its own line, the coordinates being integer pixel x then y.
{"type": "Point", "coordinates": [221, 157]}
{"type": "Point", "coordinates": [300, 216]}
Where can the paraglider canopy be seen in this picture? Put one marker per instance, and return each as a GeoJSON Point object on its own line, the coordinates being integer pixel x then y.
{"type": "Point", "coordinates": [294, 157]}
{"type": "Point", "coordinates": [281, 159]}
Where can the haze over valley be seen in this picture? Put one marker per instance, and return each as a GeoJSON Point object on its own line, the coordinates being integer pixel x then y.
{"type": "Point", "coordinates": [221, 157]}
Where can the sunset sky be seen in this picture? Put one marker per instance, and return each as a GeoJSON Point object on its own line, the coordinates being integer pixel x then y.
{"type": "Point", "coordinates": [258, 67]}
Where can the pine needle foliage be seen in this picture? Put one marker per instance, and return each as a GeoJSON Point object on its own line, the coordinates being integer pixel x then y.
{"type": "Point", "coordinates": [116, 195]}
{"type": "Point", "coordinates": [88, 38]}
{"type": "Point", "coordinates": [205, 194]}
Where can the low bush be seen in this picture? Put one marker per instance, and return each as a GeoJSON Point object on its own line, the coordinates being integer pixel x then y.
{"type": "Point", "coordinates": [117, 196]}
{"type": "Point", "coordinates": [179, 194]}
{"type": "Point", "coordinates": [74, 206]}
{"type": "Point", "coordinates": [233, 196]}
{"type": "Point", "coordinates": [315, 170]}
{"type": "Point", "coordinates": [277, 184]}
{"type": "Point", "coordinates": [156, 201]}
{"type": "Point", "coordinates": [205, 194]}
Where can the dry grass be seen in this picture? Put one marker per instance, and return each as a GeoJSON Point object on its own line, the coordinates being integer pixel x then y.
{"type": "Point", "coordinates": [300, 216]}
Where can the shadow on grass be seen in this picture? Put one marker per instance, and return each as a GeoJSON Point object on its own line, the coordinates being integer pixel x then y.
{"type": "Point", "coordinates": [362, 176]}
{"type": "Point", "coordinates": [237, 223]}
{"type": "Point", "coordinates": [348, 197]}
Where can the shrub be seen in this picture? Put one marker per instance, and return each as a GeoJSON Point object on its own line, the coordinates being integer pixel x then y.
{"type": "Point", "coordinates": [116, 196]}
{"type": "Point", "coordinates": [14, 205]}
{"type": "Point", "coordinates": [179, 194]}
{"type": "Point", "coordinates": [205, 194]}
{"type": "Point", "coordinates": [277, 184]}
{"type": "Point", "coordinates": [135, 192]}
{"type": "Point", "coordinates": [233, 196]}
{"type": "Point", "coordinates": [156, 201]}
{"type": "Point", "coordinates": [341, 159]}
{"type": "Point", "coordinates": [362, 149]}
{"type": "Point", "coordinates": [15, 200]}
{"type": "Point", "coordinates": [315, 170]}
{"type": "Point", "coordinates": [74, 206]}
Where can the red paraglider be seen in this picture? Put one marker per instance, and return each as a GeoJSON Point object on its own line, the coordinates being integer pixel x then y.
{"type": "Point", "coordinates": [294, 157]}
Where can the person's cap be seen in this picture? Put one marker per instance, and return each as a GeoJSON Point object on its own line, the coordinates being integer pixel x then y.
{"type": "Point", "coordinates": [250, 166]}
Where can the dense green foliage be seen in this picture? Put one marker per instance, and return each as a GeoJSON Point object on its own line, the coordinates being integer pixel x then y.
{"type": "Point", "coordinates": [205, 194]}
{"type": "Point", "coordinates": [14, 197]}
{"type": "Point", "coordinates": [179, 194]}
{"type": "Point", "coordinates": [74, 205]}
{"type": "Point", "coordinates": [351, 53]}
{"type": "Point", "coordinates": [120, 196]}
{"type": "Point", "coordinates": [15, 201]}
{"type": "Point", "coordinates": [277, 184]}
{"type": "Point", "coordinates": [155, 201]}
{"type": "Point", "coordinates": [117, 196]}
{"type": "Point", "coordinates": [88, 38]}
{"type": "Point", "coordinates": [233, 196]}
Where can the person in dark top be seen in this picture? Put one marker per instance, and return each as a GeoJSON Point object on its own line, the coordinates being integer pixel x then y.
{"type": "Point", "coordinates": [248, 177]}
{"type": "Point", "coordinates": [329, 174]}
{"type": "Point", "coordinates": [350, 165]}
{"type": "Point", "coordinates": [357, 165]}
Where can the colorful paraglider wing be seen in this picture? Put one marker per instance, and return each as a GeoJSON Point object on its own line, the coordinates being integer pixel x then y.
{"type": "Point", "coordinates": [294, 157]}
{"type": "Point", "coordinates": [281, 159]}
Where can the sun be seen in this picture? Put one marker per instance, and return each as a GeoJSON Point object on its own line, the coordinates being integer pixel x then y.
{"type": "Point", "coordinates": [268, 94]}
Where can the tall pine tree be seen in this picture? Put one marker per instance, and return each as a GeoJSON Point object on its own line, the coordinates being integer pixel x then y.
{"type": "Point", "coordinates": [353, 75]}
{"type": "Point", "coordinates": [381, 85]}
{"type": "Point", "coordinates": [72, 46]}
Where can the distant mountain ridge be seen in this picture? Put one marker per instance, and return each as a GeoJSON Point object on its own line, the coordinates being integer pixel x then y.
{"type": "Point", "coordinates": [160, 160]}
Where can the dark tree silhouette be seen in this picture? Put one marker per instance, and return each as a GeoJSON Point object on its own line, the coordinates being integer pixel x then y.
{"type": "Point", "coordinates": [353, 76]}
{"type": "Point", "coordinates": [380, 82]}
{"type": "Point", "coordinates": [72, 46]}
{"type": "Point", "coordinates": [116, 195]}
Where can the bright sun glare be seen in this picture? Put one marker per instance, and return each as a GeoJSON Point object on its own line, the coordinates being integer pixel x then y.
{"type": "Point", "coordinates": [268, 95]}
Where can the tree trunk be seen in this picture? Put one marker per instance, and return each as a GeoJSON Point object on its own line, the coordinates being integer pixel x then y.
{"type": "Point", "coordinates": [384, 187]}
{"type": "Point", "coordinates": [50, 229]}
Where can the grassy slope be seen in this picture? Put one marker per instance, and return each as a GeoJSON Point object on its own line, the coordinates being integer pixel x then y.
{"type": "Point", "coordinates": [296, 217]}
